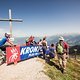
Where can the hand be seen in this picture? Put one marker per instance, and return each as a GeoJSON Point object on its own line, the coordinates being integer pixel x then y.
{"type": "Point", "coordinates": [67, 56]}
{"type": "Point", "coordinates": [12, 45]}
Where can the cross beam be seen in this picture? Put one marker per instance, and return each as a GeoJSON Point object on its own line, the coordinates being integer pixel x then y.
{"type": "Point", "coordinates": [11, 20]}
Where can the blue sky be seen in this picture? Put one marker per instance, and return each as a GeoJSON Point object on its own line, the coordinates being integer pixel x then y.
{"type": "Point", "coordinates": [41, 17]}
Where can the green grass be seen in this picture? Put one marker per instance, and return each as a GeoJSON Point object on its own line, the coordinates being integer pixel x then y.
{"type": "Point", "coordinates": [73, 70]}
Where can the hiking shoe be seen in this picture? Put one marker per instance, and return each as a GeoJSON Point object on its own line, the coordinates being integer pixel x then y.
{"type": "Point", "coordinates": [60, 67]}
{"type": "Point", "coordinates": [64, 71]}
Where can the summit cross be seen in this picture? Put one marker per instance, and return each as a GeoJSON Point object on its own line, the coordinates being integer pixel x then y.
{"type": "Point", "coordinates": [11, 20]}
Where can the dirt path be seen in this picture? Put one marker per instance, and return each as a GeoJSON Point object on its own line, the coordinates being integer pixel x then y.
{"type": "Point", "coordinates": [31, 69]}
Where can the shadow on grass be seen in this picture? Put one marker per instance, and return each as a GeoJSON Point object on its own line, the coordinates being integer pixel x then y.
{"type": "Point", "coordinates": [51, 63]}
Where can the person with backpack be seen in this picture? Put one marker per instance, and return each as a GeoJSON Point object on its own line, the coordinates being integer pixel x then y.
{"type": "Point", "coordinates": [44, 46]}
{"type": "Point", "coordinates": [62, 49]}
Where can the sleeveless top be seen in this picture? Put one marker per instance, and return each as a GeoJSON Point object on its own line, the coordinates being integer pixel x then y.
{"type": "Point", "coordinates": [3, 41]}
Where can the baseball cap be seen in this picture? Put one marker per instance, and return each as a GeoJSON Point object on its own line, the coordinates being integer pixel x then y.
{"type": "Point", "coordinates": [61, 38]}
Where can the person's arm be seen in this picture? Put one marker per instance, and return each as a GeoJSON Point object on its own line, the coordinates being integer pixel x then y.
{"type": "Point", "coordinates": [67, 47]}
{"type": "Point", "coordinates": [56, 47]}
{"type": "Point", "coordinates": [10, 42]}
{"type": "Point", "coordinates": [55, 52]}
{"type": "Point", "coordinates": [46, 43]}
{"type": "Point", "coordinates": [67, 50]}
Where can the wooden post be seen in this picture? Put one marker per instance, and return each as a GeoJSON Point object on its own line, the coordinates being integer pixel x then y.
{"type": "Point", "coordinates": [10, 22]}
{"type": "Point", "coordinates": [75, 51]}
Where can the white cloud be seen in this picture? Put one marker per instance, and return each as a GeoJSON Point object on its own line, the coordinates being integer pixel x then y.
{"type": "Point", "coordinates": [15, 33]}
{"type": "Point", "coordinates": [19, 33]}
{"type": "Point", "coordinates": [2, 31]}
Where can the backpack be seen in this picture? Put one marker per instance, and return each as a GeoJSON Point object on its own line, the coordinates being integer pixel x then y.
{"type": "Point", "coordinates": [62, 48]}
{"type": "Point", "coordinates": [59, 48]}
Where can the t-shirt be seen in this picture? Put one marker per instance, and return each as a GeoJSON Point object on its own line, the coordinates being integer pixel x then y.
{"type": "Point", "coordinates": [51, 49]}
{"type": "Point", "coordinates": [3, 41]}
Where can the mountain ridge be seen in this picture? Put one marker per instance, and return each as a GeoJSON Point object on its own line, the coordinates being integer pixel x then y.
{"type": "Point", "coordinates": [72, 39]}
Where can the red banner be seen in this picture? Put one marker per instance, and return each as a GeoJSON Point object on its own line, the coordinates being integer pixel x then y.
{"type": "Point", "coordinates": [12, 54]}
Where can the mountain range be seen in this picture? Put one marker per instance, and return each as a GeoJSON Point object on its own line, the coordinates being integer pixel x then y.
{"type": "Point", "coordinates": [71, 39]}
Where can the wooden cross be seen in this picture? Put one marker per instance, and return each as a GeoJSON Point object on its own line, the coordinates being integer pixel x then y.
{"type": "Point", "coordinates": [11, 20]}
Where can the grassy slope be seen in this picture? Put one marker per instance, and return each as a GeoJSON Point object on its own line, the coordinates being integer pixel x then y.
{"type": "Point", "coordinates": [73, 70]}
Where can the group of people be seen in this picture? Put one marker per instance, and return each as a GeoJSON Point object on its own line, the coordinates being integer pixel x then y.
{"type": "Point", "coordinates": [61, 48]}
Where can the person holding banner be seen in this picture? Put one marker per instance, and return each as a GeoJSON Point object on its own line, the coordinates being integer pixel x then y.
{"type": "Point", "coordinates": [4, 40]}
{"type": "Point", "coordinates": [30, 41]}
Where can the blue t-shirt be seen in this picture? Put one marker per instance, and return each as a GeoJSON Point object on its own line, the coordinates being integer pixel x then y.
{"type": "Point", "coordinates": [3, 41]}
{"type": "Point", "coordinates": [51, 49]}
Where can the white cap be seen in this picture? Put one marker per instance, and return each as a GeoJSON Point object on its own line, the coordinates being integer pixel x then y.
{"type": "Point", "coordinates": [61, 38]}
{"type": "Point", "coordinates": [8, 33]}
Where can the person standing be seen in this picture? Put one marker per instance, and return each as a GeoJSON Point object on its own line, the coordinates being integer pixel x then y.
{"type": "Point", "coordinates": [62, 49]}
{"type": "Point", "coordinates": [44, 46]}
{"type": "Point", "coordinates": [40, 42]}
